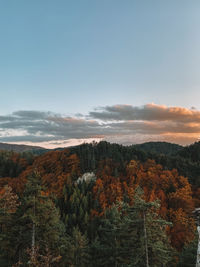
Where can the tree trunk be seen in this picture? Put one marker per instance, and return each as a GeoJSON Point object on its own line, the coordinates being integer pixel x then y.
{"type": "Point", "coordinates": [198, 249]}
{"type": "Point", "coordinates": [145, 240]}
{"type": "Point", "coordinates": [115, 252]}
{"type": "Point", "coordinates": [33, 232]}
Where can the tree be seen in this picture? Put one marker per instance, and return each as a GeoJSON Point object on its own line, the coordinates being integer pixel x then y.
{"type": "Point", "coordinates": [148, 231]}
{"type": "Point", "coordinates": [188, 255]}
{"type": "Point", "coordinates": [37, 223]}
{"type": "Point", "coordinates": [78, 250]}
{"type": "Point", "coordinates": [107, 248]}
{"type": "Point", "coordinates": [8, 206]}
{"type": "Point", "coordinates": [132, 235]}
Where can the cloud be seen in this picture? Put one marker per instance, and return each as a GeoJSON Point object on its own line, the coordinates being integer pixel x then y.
{"type": "Point", "coordinates": [149, 112]}
{"type": "Point", "coordinates": [35, 126]}
{"type": "Point", "coordinates": [124, 124]}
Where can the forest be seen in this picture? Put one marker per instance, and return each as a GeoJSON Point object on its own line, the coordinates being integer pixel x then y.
{"type": "Point", "coordinates": [100, 204]}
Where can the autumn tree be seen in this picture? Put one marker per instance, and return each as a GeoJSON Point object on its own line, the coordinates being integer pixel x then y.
{"type": "Point", "coordinates": [173, 191]}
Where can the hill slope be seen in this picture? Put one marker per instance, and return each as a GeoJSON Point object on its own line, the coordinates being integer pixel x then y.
{"type": "Point", "coordinates": [21, 148]}
{"type": "Point", "coordinates": [159, 148]}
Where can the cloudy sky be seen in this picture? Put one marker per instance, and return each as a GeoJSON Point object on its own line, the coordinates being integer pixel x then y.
{"type": "Point", "coordinates": [123, 71]}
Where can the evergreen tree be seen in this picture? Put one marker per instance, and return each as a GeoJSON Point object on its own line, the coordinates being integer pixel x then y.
{"type": "Point", "coordinates": [132, 236]}
{"type": "Point", "coordinates": [8, 205]}
{"type": "Point", "coordinates": [37, 222]}
{"type": "Point", "coordinates": [106, 248]}
{"type": "Point", "coordinates": [188, 255]}
{"type": "Point", "coordinates": [78, 254]}
{"type": "Point", "coordinates": [149, 244]}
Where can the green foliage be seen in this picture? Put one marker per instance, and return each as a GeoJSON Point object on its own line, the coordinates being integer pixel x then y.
{"type": "Point", "coordinates": [12, 163]}
{"type": "Point", "coordinates": [107, 248]}
{"type": "Point", "coordinates": [76, 206]}
{"type": "Point", "coordinates": [191, 152]}
{"type": "Point", "coordinates": [163, 148]}
{"type": "Point", "coordinates": [78, 253]}
{"type": "Point", "coordinates": [148, 231]}
{"type": "Point", "coordinates": [188, 255]}
{"type": "Point", "coordinates": [8, 205]}
{"type": "Point", "coordinates": [37, 222]}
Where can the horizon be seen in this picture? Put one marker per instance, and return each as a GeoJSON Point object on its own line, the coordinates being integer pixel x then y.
{"type": "Point", "coordinates": [123, 72]}
{"type": "Point", "coordinates": [78, 143]}
{"type": "Point", "coordinates": [96, 142]}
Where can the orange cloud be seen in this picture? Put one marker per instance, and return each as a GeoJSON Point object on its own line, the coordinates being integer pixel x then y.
{"type": "Point", "coordinates": [147, 112]}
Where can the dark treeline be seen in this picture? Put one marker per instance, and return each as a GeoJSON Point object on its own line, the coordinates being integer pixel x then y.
{"type": "Point", "coordinates": [100, 204]}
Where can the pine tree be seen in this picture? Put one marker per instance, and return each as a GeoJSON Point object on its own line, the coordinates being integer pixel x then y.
{"type": "Point", "coordinates": [37, 222]}
{"type": "Point", "coordinates": [106, 247]}
{"type": "Point", "coordinates": [132, 236]}
{"type": "Point", "coordinates": [8, 206]}
{"type": "Point", "coordinates": [149, 244]}
{"type": "Point", "coordinates": [78, 254]}
{"type": "Point", "coordinates": [188, 255]}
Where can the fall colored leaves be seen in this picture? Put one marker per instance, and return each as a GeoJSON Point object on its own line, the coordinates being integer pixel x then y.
{"type": "Point", "coordinates": [173, 191]}
{"type": "Point", "coordinates": [60, 168]}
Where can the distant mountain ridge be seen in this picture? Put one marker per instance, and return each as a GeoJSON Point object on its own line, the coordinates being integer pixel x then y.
{"type": "Point", "coordinates": [21, 148]}
{"type": "Point", "coordinates": [153, 147]}
{"type": "Point", "coordinates": [162, 148]}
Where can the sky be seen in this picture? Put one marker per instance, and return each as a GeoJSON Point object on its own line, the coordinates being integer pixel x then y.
{"type": "Point", "coordinates": [122, 71]}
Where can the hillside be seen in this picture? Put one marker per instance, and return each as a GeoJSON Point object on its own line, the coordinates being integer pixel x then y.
{"type": "Point", "coordinates": [79, 190]}
{"type": "Point", "coordinates": [21, 148]}
{"type": "Point", "coordinates": [184, 159]}
{"type": "Point", "coordinates": [191, 152]}
{"type": "Point", "coordinates": [159, 148]}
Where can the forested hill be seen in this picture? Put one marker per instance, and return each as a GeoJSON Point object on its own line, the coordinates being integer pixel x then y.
{"type": "Point", "coordinates": [91, 154]}
{"type": "Point", "coordinates": [88, 205]}
{"type": "Point", "coordinates": [184, 159]}
{"type": "Point", "coordinates": [159, 148]}
{"type": "Point", "coordinates": [191, 152]}
{"type": "Point", "coordinates": [154, 147]}
{"type": "Point", "coordinates": [22, 148]}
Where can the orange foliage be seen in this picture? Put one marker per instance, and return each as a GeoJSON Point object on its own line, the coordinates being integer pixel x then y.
{"type": "Point", "coordinates": [173, 191]}
{"type": "Point", "coordinates": [8, 200]}
{"type": "Point", "coordinates": [56, 169]}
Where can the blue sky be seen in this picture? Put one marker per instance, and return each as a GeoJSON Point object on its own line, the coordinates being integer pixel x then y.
{"type": "Point", "coordinates": [71, 57]}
